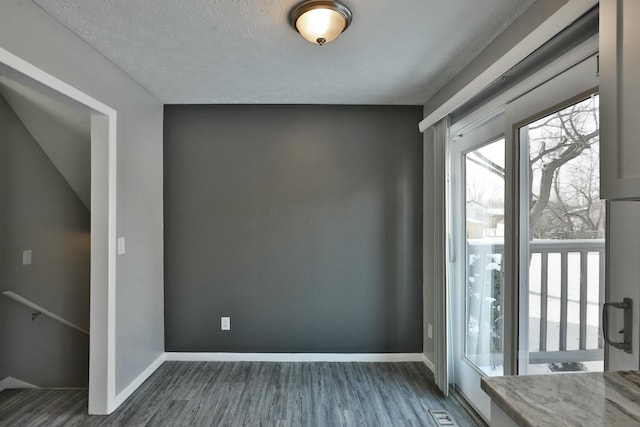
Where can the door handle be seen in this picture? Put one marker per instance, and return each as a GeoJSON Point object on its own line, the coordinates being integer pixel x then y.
{"type": "Point", "coordinates": [627, 306]}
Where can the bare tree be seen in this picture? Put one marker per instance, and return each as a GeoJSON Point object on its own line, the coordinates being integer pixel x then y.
{"type": "Point", "coordinates": [554, 142]}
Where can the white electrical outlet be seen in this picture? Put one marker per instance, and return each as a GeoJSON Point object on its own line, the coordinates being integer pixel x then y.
{"type": "Point", "coordinates": [429, 331]}
{"type": "Point", "coordinates": [26, 257]}
{"type": "Point", "coordinates": [225, 323]}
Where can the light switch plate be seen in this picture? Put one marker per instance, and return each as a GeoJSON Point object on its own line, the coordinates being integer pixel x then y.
{"type": "Point", "coordinates": [225, 323]}
{"type": "Point", "coordinates": [26, 257]}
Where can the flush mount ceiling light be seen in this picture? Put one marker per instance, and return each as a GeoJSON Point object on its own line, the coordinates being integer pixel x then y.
{"type": "Point", "coordinates": [320, 22]}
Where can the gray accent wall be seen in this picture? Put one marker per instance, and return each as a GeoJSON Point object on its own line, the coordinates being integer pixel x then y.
{"type": "Point", "coordinates": [41, 213]}
{"type": "Point", "coordinates": [301, 223]}
{"type": "Point", "coordinates": [139, 325]}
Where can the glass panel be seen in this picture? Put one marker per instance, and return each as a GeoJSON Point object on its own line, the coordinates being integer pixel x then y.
{"type": "Point", "coordinates": [566, 227]}
{"type": "Point", "coordinates": [484, 223]}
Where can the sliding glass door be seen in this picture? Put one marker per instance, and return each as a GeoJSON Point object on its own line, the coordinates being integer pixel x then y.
{"type": "Point", "coordinates": [477, 203]}
{"type": "Point", "coordinates": [527, 235]}
{"type": "Point", "coordinates": [562, 228]}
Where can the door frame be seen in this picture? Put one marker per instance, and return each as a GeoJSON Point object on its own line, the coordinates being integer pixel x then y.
{"type": "Point", "coordinates": [561, 91]}
{"type": "Point", "coordinates": [102, 393]}
{"type": "Point", "coordinates": [466, 139]}
{"type": "Point", "coordinates": [518, 110]}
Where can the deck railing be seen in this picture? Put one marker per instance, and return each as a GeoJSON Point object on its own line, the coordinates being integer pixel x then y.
{"type": "Point", "coordinates": [553, 263]}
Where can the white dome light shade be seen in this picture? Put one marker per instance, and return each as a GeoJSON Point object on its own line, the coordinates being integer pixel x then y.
{"type": "Point", "coordinates": [320, 22]}
{"type": "Point", "coordinates": [320, 25]}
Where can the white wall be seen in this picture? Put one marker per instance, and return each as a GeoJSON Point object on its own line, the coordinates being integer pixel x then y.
{"type": "Point", "coordinates": [28, 32]}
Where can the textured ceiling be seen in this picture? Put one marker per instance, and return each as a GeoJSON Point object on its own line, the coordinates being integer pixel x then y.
{"type": "Point", "coordinates": [63, 133]}
{"type": "Point", "coordinates": [244, 51]}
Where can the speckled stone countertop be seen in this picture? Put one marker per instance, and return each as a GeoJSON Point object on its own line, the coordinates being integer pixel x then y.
{"type": "Point", "coordinates": [580, 399]}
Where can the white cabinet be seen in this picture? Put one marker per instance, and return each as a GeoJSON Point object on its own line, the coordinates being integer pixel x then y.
{"type": "Point", "coordinates": [620, 99]}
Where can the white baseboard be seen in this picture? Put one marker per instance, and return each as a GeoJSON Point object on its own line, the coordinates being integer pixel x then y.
{"type": "Point", "coordinates": [128, 391]}
{"type": "Point", "coordinates": [429, 363]}
{"type": "Point", "coordinates": [10, 382]}
{"type": "Point", "coordinates": [294, 357]}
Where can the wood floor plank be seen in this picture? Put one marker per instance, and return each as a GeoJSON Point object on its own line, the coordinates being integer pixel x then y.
{"type": "Point", "coordinates": [251, 394]}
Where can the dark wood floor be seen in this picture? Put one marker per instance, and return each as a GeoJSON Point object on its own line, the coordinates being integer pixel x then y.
{"type": "Point", "coordinates": [251, 394]}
